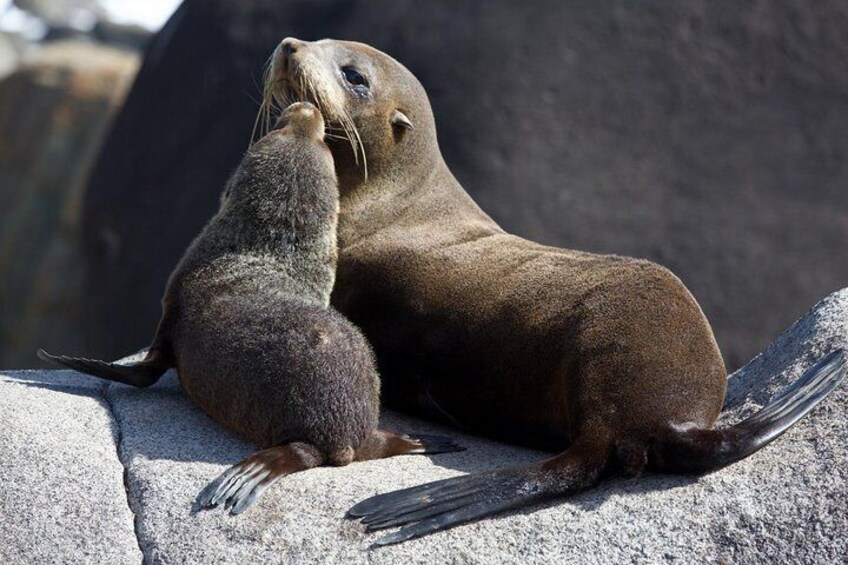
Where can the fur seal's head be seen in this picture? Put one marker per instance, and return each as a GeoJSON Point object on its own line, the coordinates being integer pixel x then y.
{"type": "Point", "coordinates": [291, 164]}
{"type": "Point", "coordinates": [378, 114]}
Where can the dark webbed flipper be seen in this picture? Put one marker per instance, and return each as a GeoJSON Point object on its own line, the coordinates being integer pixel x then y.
{"type": "Point", "coordinates": [798, 399]}
{"type": "Point", "coordinates": [141, 374]}
{"type": "Point", "coordinates": [701, 451]}
{"type": "Point", "coordinates": [430, 444]}
{"type": "Point", "coordinates": [447, 503]}
{"type": "Point", "coordinates": [240, 485]}
{"type": "Point", "coordinates": [382, 443]}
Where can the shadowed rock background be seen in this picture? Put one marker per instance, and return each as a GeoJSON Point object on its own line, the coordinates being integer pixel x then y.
{"type": "Point", "coordinates": [54, 112]}
{"type": "Point", "coordinates": [65, 68]}
{"type": "Point", "coordinates": [708, 136]}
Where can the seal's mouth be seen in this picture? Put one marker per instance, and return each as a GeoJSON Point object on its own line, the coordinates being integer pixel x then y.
{"type": "Point", "coordinates": [288, 80]}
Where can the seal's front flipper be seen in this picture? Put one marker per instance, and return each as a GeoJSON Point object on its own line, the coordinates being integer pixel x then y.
{"type": "Point", "coordinates": [381, 444]}
{"type": "Point", "coordinates": [703, 451]}
{"type": "Point", "coordinates": [240, 485]}
{"type": "Point", "coordinates": [444, 504]}
{"type": "Point", "coordinates": [141, 374]}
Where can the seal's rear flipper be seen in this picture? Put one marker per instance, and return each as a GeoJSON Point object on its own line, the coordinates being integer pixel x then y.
{"type": "Point", "coordinates": [141, 374]}
{"type": "Point", "coordinates": [444, 504]}
{"type": "Point", "coordinates": [381, 444]}
{"type": "Point", "coordinates": [240, 485]}
{"type": "Point", "coordinates": [701, 451]}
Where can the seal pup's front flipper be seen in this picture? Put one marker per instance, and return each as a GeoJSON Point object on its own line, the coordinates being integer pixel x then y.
{"type": "Point", "coordinates": [141, 374]}
{"type": "Point", "coordinates": [240, 485]}
{"type": "Point", "coordinates": [447, 503]}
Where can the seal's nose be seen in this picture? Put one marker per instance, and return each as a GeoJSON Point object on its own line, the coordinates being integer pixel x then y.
{"type": "Point", "coordinates": [285, 52]}
{"type": "Point", "coordinates": [289, 46]}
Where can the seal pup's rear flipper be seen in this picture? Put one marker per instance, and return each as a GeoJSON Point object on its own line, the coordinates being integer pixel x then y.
{"type": "Point", "coordinates": [240, 485]}
{"type": "Point", "coordinates": [142, 374]}
{"type": "Point", "coordinates": [702, 451]}
{"type": "Point", "coordinates": [381, 444]}
{"type": "Point", "coordinates": [444, 504]}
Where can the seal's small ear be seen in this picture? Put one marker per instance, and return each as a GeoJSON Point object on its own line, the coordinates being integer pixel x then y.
{"type": "Point", "coordinates": [400, 120]}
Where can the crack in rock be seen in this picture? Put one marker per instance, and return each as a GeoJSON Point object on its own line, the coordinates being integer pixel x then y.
{"type": "Point", "coordinates": [119, 448]}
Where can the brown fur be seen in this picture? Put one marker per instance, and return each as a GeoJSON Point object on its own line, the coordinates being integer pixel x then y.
{"type": "Point", "coordinates": [608, 357]}
{"type": "Point", "coordinates": [246, 311]}
{"type": "Point", "coordinates": [512, 338]}
{"type": "Point", "coordinates": [247, 324]}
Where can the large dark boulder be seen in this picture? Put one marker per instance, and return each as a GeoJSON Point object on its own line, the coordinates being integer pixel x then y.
{"type": "Point", "coordinates": [54, 113]}
{"type": "Point", "coordinates": [708, 136]}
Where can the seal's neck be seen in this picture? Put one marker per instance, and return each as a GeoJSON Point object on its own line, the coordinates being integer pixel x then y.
{"type": "Point", "coordinates": [397, 200]}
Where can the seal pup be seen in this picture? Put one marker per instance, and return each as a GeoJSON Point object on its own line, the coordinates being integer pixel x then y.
{"type": "Point", "coordinates": [607, 359]}
{"type": "Point", "coordinates": [247, 325]}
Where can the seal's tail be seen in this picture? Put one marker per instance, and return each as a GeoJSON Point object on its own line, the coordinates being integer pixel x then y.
{"type": "Point", "coordinates": [702, 451]}
{"type": "Point", "coordinates": [444, 504]}
{"type": "Point", "coordinates": [141, 374]}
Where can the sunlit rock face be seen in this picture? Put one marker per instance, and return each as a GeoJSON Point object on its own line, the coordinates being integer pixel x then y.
{"type": "Point", "coordinates": [65, 438]}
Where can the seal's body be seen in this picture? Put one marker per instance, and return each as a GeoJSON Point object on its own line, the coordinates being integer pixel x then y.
{"type": "Point", "coordinates": [608, 358]}
{"type": "Point", "coordinates": [247, 325]}
{"type": "Point", "coordinates": [545, 381]}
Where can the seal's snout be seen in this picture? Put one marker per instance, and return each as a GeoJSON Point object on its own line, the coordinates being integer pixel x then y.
{"type": "Point", "coordinates": [289, 47]}
{"type": "Point", "coordinates": [304, 111]}
{"type": "Point", "coordinates": [287, 69]}
{"type": "Point", "coordinates": [286, 51]}
{"type": "Point", "coordinates": [304, 118]}
{"type": "Point", "coordinates": [303, 106]}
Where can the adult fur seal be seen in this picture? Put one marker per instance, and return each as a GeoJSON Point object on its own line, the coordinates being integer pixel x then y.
{"type": "Point", "coordinates": [246, 323]}
{"type": "Point", "coordinates": [607, 358]}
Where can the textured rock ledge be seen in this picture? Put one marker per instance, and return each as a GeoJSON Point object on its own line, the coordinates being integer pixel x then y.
{"type": "Point", "coordinates": [63, 497]}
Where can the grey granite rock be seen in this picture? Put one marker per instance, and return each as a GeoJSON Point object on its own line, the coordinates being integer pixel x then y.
{"type": "Point", "coordinates": [787, 503]}
{"type": "Point", "coordinates": [62, 496]}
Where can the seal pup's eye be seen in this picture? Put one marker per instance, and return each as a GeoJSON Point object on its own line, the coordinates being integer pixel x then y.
{"type": "Point", "coordinates": [354, 77]}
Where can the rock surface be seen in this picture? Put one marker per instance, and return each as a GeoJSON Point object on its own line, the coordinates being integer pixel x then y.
{"type": "Point", "coordinates": [706, 135]}
{"type": "Point", "coordinates": [786, 503]}
{"type": "Point", "coordinates": [62, 498]}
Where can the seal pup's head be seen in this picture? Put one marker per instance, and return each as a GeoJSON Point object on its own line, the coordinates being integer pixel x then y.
{"type": "Point", "coordinates": [377, 112]}
{"type": "Point", "coordinates": [288, 174]}
{"type": "Point", "coordinates": [303, 119]}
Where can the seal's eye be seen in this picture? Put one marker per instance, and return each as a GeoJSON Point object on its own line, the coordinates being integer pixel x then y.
{"type": "Point", "coordinates": [354, 77]}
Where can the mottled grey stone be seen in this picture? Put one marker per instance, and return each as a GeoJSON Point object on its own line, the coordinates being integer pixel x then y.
{"type": "Point", "coordinates": [786, 503]}
{"type": "Point", "coordinates": [62, 496]}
